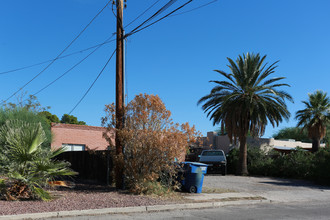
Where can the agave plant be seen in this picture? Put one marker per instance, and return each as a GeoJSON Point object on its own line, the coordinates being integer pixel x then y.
{"type": "Point", "coordinates": [27, 166]}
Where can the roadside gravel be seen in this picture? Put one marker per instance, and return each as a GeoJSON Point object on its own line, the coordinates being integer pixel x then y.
{"type": "Point", "coordinates": [82, 196]}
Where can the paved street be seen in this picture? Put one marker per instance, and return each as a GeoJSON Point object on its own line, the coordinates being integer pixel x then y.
{"type": "Point", "coordinates": [286, 199]}
{"type": "Point", "coordinates": [275, 211]}
{"type": "Point", "coordinates": [275, 189]}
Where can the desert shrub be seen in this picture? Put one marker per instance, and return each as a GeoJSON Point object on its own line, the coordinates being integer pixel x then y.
{"type": "Point", "coordinates": [151, 142]}
{"type": "Point", "coordinates": [29, 116]}
{"type": "Point", "coordinates": [27, 167]}
{"type": "Point", "coordinates": [297, 164]}
{"type": "Point", "coordinates": [259, 162]}
{"type": "Point", "coordinates": [321, 167]}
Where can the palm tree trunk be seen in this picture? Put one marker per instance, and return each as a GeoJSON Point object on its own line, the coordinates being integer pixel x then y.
{"type": "Point", "coordinates": [242, 165]}
{"type": "Point", "coordinates": [315, 144]}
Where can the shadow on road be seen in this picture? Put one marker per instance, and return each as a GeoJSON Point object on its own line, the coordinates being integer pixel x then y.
{"type": "Point", "coordinates": [293, 183]}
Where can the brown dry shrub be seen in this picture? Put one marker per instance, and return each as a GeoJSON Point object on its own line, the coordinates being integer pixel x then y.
{"type": "Point", "coordinates": [151, 142]}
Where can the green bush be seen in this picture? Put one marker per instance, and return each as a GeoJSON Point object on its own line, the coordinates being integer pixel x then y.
{"type": "Point", "coordinates": [23, 114]}
{"type": "Point", "coordinates": [321, 167]}
{"type": "Point", "coordinates": [259, 163]}
{"type": "Point", "coordinates": [299, 164]}
{"type": "Point", "coordinates": [232, 161]}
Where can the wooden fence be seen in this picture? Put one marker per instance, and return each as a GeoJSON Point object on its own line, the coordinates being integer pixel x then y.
{"type": "Point", "coordinates": [91, 165]}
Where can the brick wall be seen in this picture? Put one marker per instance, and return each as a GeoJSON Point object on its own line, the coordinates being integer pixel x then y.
{"type": "Point", "coordinates": [90, 136]}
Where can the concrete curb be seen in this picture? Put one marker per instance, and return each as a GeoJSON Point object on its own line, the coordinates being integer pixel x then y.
{"type": "Point", "coordinates": [134, 209]}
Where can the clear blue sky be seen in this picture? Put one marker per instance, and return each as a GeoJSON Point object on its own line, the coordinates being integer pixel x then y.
{"type": "Point", "coordinates": [174, 58]}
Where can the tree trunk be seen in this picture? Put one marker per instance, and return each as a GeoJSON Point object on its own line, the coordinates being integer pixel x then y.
{"type": "Point", "coordinates": [242, 165]}
{"type": "Point", "coordinates": [315, 144]}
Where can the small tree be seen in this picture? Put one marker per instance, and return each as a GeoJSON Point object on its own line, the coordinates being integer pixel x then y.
{"type": "Point", "coordinates": [30, 104]}
{"type": "Point", "coordinates": [151, 143]}
{"type": "Point", "coordinates": [70, 119]}
{"type": "Point", "coordinates": [292, 133]}
{"type": "Point", "coordinates": [50, 118]}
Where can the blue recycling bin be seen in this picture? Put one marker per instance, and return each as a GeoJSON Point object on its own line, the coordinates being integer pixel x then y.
{"type": "Point", "coordinates": [193, 176]}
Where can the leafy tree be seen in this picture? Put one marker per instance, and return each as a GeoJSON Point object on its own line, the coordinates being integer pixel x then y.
{"type": "Point", "coordinates": [292, 133]}
{"type": "Point", "coordinates": [50, 118]}
{"type": "Point", "coordinates": [315, 117]}
{"type": "Point", "coordinates": [31, 103]}
{"type": "Point", "coordinates": [70, 119]}
{"type": "Point", "coordinates": [27, 167]}
{"type": "Point", "coordinates": [246, 101]}
{"type": "Point", "coordinates": [152, 142]}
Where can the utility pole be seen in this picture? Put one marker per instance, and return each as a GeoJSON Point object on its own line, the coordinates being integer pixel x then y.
{"type": "Point", "coordinates": [119, 88]}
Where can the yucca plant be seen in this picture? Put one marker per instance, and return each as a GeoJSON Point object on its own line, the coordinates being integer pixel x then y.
{"type": "Point", "coordinates": [27, 166]}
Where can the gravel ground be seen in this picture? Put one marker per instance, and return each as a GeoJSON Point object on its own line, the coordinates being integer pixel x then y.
{"type": "Point", "coordinates": [82, 196]}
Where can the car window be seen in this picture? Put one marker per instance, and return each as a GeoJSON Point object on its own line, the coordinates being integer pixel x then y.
{"type": "Point", "coordinates": [212, 153]}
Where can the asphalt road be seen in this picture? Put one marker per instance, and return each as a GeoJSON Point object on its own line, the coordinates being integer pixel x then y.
{"type": "Point", "coordinates": [287, 199]}
{"type": "Point", "coordinates": [263, 211]}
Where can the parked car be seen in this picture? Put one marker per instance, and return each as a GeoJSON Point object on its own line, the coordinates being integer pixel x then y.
{"type": "Point", "coordinates": [216, 161]}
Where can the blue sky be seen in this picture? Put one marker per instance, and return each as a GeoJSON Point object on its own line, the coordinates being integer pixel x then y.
{"type": "Point", "coordinates": [174, 58]}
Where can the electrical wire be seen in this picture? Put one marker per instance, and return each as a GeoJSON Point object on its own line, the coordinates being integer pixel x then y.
{"type": "Point", "coordinates": [91, 86]}
{"type": "Point", "coordinates": [138, 30]}
{"type": "Point", "coordinates": [58, 55]}
{"type": "Point", "coordinates": [77, 52]}
{"type": "Point", "coordinates": [195, 8]}
{"type": "Point", "coordinates": [166, 6]}
{"type": "Point", "coordinates": [142, 13]}
{"type": "Point", "coordinates": [89, 48]}
{"type": "Point", "coordinates": [61, 57]}
{"type": "Point", "coordinates": [69, 70]}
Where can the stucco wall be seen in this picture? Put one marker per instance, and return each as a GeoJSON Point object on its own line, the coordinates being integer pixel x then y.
{"type": "Point", "coordinates": [213, 141]}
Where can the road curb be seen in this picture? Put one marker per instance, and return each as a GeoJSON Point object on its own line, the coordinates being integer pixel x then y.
{"type": "Point", "coordinates": [134, 209]}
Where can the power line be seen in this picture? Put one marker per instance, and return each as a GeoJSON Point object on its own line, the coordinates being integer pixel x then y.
{"type": "Point", "coordinates": [138, 30]}
{"type": "Point", "coordinates": [195, 8]}
{"type": "Point", "coordinates": [69, 70]}
{"type": "Point", "coordinates": [91, 86]}
{"type": "Point", "coordinates": [166, 6]}
{"type": "Point", "coordinates": [59, 54]}
{"type": "Point", "coordinates": [61, 57]}
{"type": "Point", "coordinates": [142, 13]}
{"type": "Point", "coordinates": [89, 48]}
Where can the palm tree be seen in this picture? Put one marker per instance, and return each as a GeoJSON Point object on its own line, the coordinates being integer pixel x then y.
{"type": "Point", "coordinates": [26, 166]}
{"type": "Point", "coordinates": [246, 101]}
{"type": "Point", "coordinates": [315, 117]}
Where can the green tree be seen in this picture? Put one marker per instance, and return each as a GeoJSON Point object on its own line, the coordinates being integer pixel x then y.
{"type": "Point", "coordinates": [315, 117]}
{"type": "Point", "coordinates": [246, 101]}
{"type": "Point", "coordinates": [50, 118]}
{"type": "Point", "coordinates": [31, 103]}
{"type": "Point", "coordinates": [70, 119]}
{"type": "Point", "coordinates": [292, 133]}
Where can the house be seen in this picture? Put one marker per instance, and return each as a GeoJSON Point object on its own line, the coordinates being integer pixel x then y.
{"type": "Point", "coordinates": [78, 137]}
{"type": "Point", "coordinates": [215, 141]}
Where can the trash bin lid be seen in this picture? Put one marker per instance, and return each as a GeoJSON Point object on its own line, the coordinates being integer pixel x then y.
{"type": "Point", "coordinates": [195, 163]}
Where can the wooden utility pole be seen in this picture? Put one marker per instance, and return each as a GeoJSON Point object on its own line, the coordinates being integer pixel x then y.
{"type": "Point", "coordinates": [119, 87]}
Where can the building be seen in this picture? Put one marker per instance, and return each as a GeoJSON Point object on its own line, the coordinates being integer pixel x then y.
{"type": "Point", "coordinates": [78, 137]}
{"type": "Point", "coordinates": [215, 141]}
